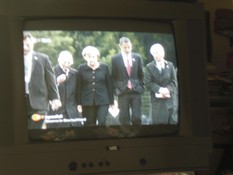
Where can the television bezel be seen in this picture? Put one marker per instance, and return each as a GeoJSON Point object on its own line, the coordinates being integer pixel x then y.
{"type": "Point", "coordinates": [187, 151]}
{"type": "Point", "coordinates": [108, 131]}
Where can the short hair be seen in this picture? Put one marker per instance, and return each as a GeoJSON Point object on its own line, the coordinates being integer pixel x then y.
{"type": "Point", "coordinates": [124, 40]}
{"type": "Point", "coordinates": [27, 35]}
{"type": "Point", "coordinates": [90, 49]}
{"type": "Point", "coordinates": [65, 55]}
{"type": "Point", "coordinates": [157, 48]}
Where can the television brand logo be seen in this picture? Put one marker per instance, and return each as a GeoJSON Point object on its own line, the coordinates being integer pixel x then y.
{"type": "Point", "coordinates": [112, 148]}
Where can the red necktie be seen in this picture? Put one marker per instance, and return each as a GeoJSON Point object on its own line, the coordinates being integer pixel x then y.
{"type": "Point", "coordinates": [129, 72]}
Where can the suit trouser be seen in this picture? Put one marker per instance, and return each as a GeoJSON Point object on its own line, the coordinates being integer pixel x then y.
{"type": "Point", "coordinates": [95, 113]}
{"type": "Point", "coordinates": [32, 124]}
{"type": "Point", "coordinates": [162, 111]}
{"type": "Point", "coordinates": [130, 108]}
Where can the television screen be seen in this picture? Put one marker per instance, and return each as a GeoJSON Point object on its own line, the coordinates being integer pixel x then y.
{"type": "Point", "coordinates": [84, 91]}
{"type": "Point", "coordinates": [64, 43]}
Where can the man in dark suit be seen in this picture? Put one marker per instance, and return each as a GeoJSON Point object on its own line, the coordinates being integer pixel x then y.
{"type": "Point", "coordinates": [40, 84]}
{"type": "Point", "coordinates": [66, 78]}
{"type": "Point", "coordinates": [127, 76]}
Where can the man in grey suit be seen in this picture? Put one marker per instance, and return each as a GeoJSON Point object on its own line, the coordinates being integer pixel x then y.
{"type": "Point", "coordinates": [40, 84]}
{"type": "Point", "coordinates": [127, 76]}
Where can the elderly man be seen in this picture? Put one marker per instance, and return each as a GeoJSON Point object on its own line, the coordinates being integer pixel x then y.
{"type": "Point", "coordinates": [66, 78]}
{"type": "Point", "coordinates": [161, 81]}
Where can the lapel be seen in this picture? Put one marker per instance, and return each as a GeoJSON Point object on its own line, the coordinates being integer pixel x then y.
{"type": "Point", "coordinates": [34, 60]}
{"type": "Point", "coordinates": [59, 70]}
{"type": "Point", "coordinates": [121, 62]}
{"type": "Point", "coordinates": [154, 69]}
{"type": "Point", "coordinates": [133, 61]}
{"type": "Point", "coordinates": [166, 67]}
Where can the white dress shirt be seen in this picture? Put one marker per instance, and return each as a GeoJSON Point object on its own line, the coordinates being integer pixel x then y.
{"type": "Point", "coordinates": [27, 70]}
{"type": "Point", "coordinates": [127, 59]}
{"type": "Point", "coordinates": [160, 64]}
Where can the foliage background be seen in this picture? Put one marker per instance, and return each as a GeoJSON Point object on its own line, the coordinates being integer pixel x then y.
{"type": "Point", "coordinates": [53, 42]}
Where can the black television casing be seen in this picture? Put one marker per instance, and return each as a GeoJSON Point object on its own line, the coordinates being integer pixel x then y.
{"type": "Point", "coordinates": [188, 150]}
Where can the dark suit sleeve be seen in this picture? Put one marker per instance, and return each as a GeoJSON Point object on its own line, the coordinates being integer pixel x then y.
{"type": "Point", "coordinates": [50, 80]}
{"type": "Point", "coordinates": [115, 75]}
{"type": "Point", "coordinates": [79, 85]}
{"type": "Point", "coordinates": [114, 69]}
{"type": "Point", "coordinates": [109, 86]}
{"type": "Point", "coordinates": [140, 71]}
{"type": "Point", "coordinates": [173, 84]}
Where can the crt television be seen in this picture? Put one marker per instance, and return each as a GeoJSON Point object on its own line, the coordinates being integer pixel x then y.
{"type": "Point", "coordinates": [112, 149]}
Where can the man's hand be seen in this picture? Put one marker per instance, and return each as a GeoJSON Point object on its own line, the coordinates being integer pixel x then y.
{"type": "Point", "coordinates": [163, 93]}
{"type": "Point", "coordinates": [61, 78]}
{"type": "Point", "coordinates": [55, 104]}
{"type": "Point", "coordinates": [79, 108]}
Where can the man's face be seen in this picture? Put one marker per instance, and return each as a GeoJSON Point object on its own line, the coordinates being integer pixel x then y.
{"type": "Point", "coordinates": [158, 54]}
{"type": "Point", "coordinates": [66, 64]}
{"type": "Point", "coordinates": [27, 46]}
{"type": "Point", "coordinates": [126, 47]}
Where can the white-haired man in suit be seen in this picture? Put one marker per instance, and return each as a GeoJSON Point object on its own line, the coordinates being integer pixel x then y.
{"type": "Point", "coordinates": [161, 81]}
{"type": "Point", "coordinates": [66, 78]}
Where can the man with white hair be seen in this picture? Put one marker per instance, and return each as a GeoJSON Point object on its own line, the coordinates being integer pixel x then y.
{"type": "Point", "coordinates": [66, 78]}
{"type": "Point", "coordinates": [161, 81]}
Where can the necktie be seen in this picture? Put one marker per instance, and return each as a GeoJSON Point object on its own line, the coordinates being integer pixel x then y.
{"type": "Point", "coordinates": [129, 85]}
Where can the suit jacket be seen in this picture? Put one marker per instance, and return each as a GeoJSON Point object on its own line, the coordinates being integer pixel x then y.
{"type": "Point", "coordinates": [94, 86]}
{"type": "Point", "coordinates": [156, 79]}
{"type": "Point", "coordinates": [42, 85]}
{"type": "Point", "coordinates": [120, 76]}
{"type": "Point", "coordinates": [68, 92]}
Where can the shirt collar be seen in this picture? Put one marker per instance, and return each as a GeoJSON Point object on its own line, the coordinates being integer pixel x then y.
{"type": "Point", "coordinates": [29, 56]}
{"type": "Point", "coordinates": [126, 56]}
{"type": "Point", "coordinates": [161, 64]}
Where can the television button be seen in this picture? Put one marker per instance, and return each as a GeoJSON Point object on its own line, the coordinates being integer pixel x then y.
{"type": "Point", "coordinates": [101, 164]}
{"type": "Point", "coordinates": [142, 161]}
{"type": "Point", "coordinates": [91, 164]}
{"type": "Point", "coordinates": [107, 163]}
{"type": "Point", "coordinates": [73, 166]}
{"type": "Point", "coordinates": [84, 165]}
